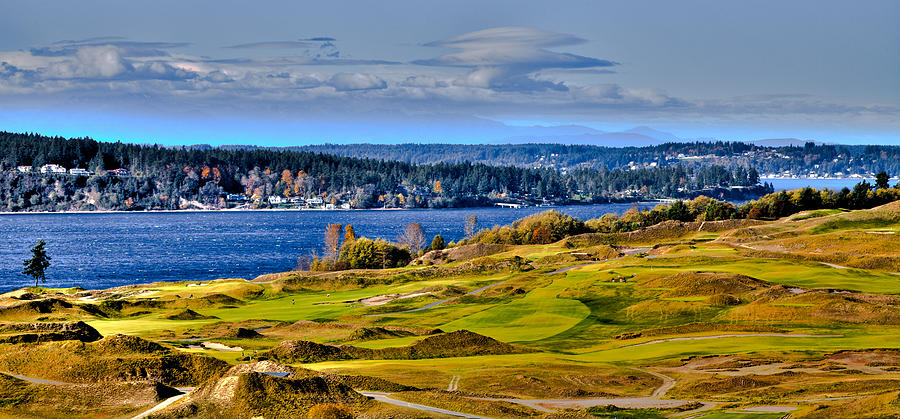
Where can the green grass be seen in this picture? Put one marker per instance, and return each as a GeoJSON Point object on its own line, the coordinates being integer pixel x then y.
{"type": "Point", "coordinates": [542, 313]}
{"type": "Point", "coordinates": [779, 271]}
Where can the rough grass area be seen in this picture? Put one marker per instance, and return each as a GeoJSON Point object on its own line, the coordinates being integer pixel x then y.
{"type": "Point", "coordinates": [19, 398]}
{"type": "Point", "coordinates": [113, 358]}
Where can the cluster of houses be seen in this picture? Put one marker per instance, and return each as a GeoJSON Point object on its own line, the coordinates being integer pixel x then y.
{"type": "Point", "coordinates": [55, 169]}
{"type": "Point", "coordinates": [293, 201]}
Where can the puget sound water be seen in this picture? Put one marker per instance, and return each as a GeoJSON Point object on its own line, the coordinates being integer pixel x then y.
{"type": "Point", "coordinates": [100, 250]}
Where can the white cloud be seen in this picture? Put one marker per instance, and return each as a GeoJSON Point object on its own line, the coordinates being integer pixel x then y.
{"type": "Point", "coordinates": [506, 58]}
{"type": "Point", "coordinates": [345, 82]}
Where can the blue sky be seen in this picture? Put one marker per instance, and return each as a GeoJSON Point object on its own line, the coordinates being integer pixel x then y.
{"type": "Point", "coordinates": [287, 72]}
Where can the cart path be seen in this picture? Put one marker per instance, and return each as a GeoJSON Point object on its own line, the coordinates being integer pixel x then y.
{"type": "Point", "coordinates": [383, 397]}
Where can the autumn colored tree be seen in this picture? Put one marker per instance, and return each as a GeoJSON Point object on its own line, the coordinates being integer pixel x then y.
{"type": "Point", "coordinates": [332, 241]}
{"type": "Point", "coordinates": [413, 237]}
{"type": "Point", "coordinates": [541, 235]}
{"type": "Point", "coordinates": [349, 233]}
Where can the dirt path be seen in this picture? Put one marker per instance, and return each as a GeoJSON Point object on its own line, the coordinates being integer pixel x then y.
{"type": "Point", "coordinates": [746, 335]}
{"type": "Point", "coordinates": [383, 397]}
{"type": "Point", "coordinates": [454, 383]}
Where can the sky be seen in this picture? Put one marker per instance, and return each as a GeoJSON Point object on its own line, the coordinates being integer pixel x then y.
{"type": "Point", "coordinates": [292, 73]}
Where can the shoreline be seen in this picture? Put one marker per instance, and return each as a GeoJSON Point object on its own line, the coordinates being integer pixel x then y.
{"type": "Point", "coordinates": [214, 211]}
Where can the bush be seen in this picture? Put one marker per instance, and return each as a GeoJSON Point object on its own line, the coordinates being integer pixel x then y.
{"type": "Point", "coordinates": [366, 253]}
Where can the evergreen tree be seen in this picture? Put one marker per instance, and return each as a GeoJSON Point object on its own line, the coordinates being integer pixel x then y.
{"type": "Point", "coordinates": [881, 180]}
{"type": "Point", "coordinates": [38, 263]}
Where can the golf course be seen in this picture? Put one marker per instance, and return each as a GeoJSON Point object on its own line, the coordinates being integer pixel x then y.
{"type": "Point", "coordinates": [794, 317]}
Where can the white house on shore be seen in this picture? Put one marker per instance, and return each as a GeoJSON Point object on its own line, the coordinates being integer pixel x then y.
{"type": "Point", "coordinates": [314, 201]}
{"type": "Point", "coordinates": [23, 169]}
{"type": "Point", "coordinates": [80, 172]}
{"type": "Point", "coordinates": [276, 200]}
{"type": "Point", "coordinates": [118, 172]}
{"type": "Point", "coordinates": [53, 169]}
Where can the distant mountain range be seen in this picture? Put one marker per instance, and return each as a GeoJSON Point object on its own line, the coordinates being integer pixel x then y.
{"type": "Point", "coordinates": [641, 136]}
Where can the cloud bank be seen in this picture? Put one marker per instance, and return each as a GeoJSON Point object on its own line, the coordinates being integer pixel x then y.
{"type": "Point", "coordinates": [506, 72]}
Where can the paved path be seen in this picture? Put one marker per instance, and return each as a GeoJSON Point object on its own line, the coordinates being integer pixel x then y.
{"type": "Point", "coordinates": [653, 401]}
{"type": "Point", "coordinates": [436, 303]}
{"type": "Point", "coordinates": [162, 405]}
{"type": "Point", "coordinates": [35, 380]}
{"type": "Point", "coordinates": [383, 397]}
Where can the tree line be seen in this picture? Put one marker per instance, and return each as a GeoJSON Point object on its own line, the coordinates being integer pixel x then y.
{"type": "Point", "coordinates": [176, 177]}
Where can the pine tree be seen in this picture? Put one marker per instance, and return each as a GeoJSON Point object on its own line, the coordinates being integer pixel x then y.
{"type": "Point", "coordinates": [38, 263]}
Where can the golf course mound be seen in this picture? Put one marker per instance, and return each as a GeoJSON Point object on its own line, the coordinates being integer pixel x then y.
{"type": "Point", "coordinates": [114, 358]}
{"type": "Point", "coordinates": [20, 398]}
{"type": "Point", "coordinates": [32, 310]}
{"type": "Point", "coordinates": [188, 314]}
{"type": "Point", "coordinates": [47, 332]}
{"type": "Point", "coordinates": [465, 252]}
{"type": "Point", "coordinates": [215, 300]}
{"type": "Point", "coordinates": [246, 392]}
{"type": "Point", "coordinates": [303, 351]}
{"type": "Point", "coordinates": [821, 306]}
{"type": "Point", "coordinates": [446, 345]}
{"type": "Point", "coordinates": [125, 344]}
{"type": "Point", "coordinates": [377, 332]}
{"type": "Point", "coordinates": [261, 366]}
{"type": "Point", "coordinates": [242, 333]}
{"type": "Point", "coordinates": [688, 284]}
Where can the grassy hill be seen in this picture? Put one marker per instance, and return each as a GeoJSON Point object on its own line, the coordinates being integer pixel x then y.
{"type": "Point", "coordinates": [800, 314]}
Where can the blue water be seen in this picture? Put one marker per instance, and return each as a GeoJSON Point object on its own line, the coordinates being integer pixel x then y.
{"type": "Point", "coordinates": [105, 250]}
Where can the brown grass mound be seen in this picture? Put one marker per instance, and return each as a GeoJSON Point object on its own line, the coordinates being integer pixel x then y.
{"type": "Point", "coordinates": [111, 359]}
{"type": "Point", "coordinates": [373, 333]}
{"type": "Point", "coordinates": [453, 254]}
{"type": "Point", "coordinates": [446, 345]}
{"type": "Point", "coordinates": [820, 307]}
{"type": "Point", "coordinates": [247, 392]}
{"type": "Point", "coordinates": [47, 332]}
{"type": "Point", "coordinates": [19, 398]}
{"type": "Point", "coordinates": [723, 300]}
{"type": "Point", "coordinates": [126, 344]}
{"type": "Point", "coordinates": [685, 284]}
{"type": "Point", "coordinates": [34, 309]}
{"type": "Point", "coordinates": [242, 333]}
{"type": "Point", "coordinates": [294, 351]}
{"type": "Point", "coordinates": [188, 314]}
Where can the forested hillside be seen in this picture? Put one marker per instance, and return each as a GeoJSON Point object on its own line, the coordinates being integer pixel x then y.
{"type": "Point", "coordinates": [812, 159]}
{"type": "Point", "coordinates": [176, 178]}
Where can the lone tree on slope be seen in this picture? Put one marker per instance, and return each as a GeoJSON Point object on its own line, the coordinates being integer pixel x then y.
{"type": "Point", "coordinates": [38, 263]}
